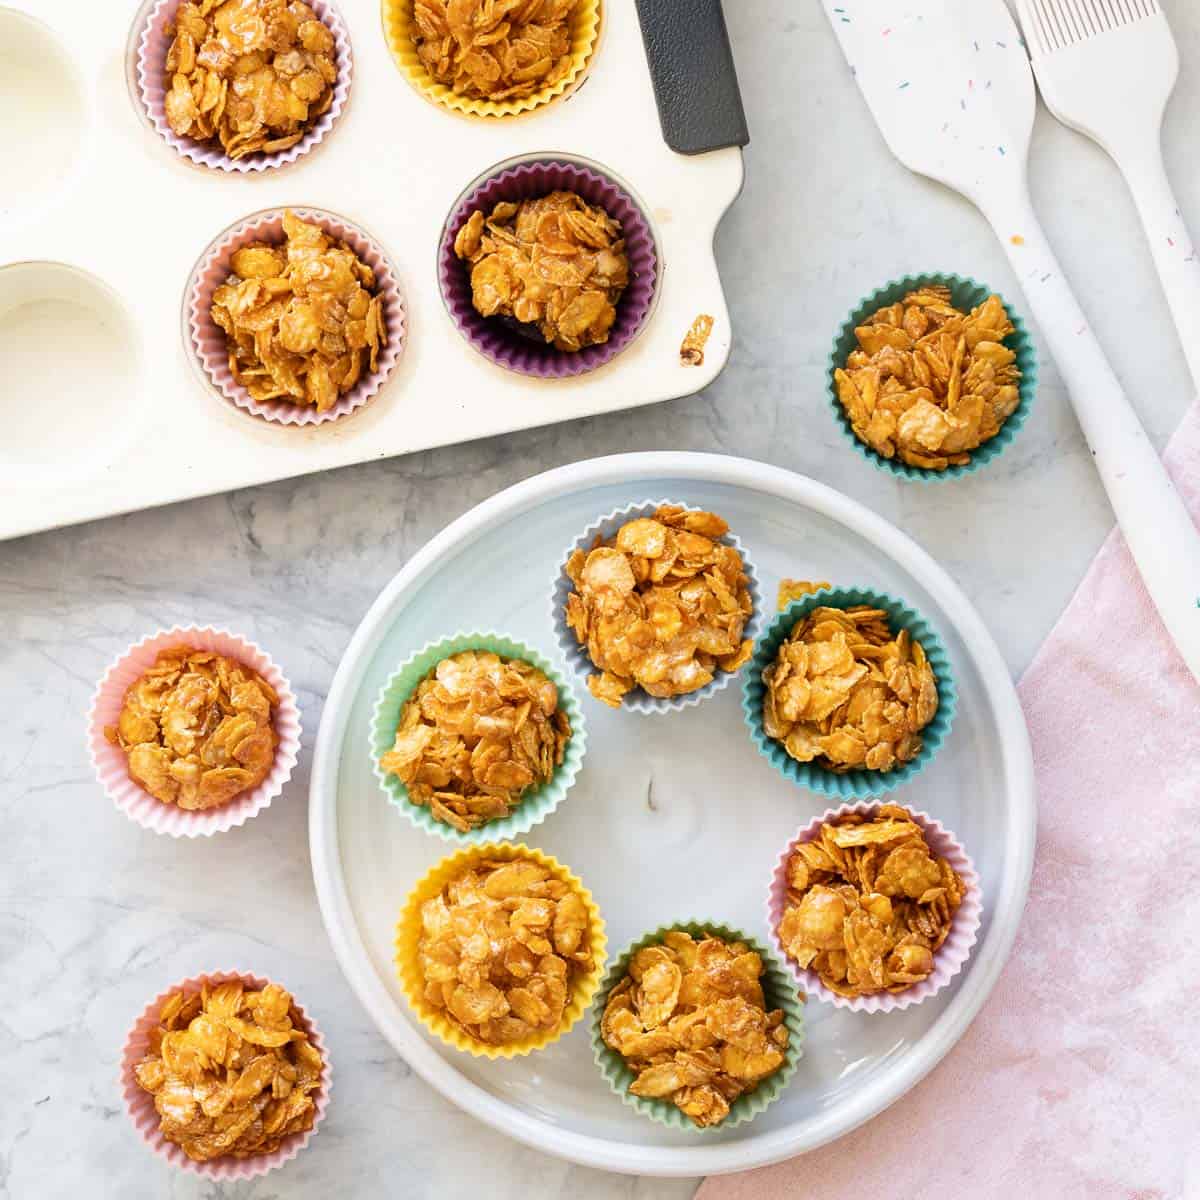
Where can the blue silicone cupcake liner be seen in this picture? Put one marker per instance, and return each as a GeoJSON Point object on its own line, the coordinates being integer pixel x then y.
{"type": "Point", "coordinates": [779, 991]}
{"type": "Point", "coordinates": [965, 293]}
{"type": "Point", "coordinates": [859, 784]}
{"type": "Point", "coordinates": [576, 656]}
{"type": "Point", "coordinates": [538, 803]}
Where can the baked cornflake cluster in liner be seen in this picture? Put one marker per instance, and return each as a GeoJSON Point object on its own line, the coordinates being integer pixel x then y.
{"type": "Point", "coordinates": [929, 383]}
{"type": "Point", "coordinates": [846, 692]}
{"type": "Point", "coordinates": [494, 49]}
{"type": "Point", "coordinates": [868, 903]}
{"type": "Point", "coordinates": [303, 320]}
{"type": "Point", "coordinates": [196, 728]}
{"type": "Point", "coordinates": [231, 1071]}
{"type": "Point", "coordinates": [555, 262]}
{"type": "Point", "coordinates": [479, 731]}
{"type": "Point", "coordinates": [690, 1020]}
{"type": "Point", "coordinates": [661, 606]}
{"type": "Point", "coordinates": [500, 947]}
{"type": "Point", "coordinates": [254, 75]}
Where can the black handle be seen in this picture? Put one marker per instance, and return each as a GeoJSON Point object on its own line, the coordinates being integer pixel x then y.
{"type": "Point", "coordinates": [695, 83]}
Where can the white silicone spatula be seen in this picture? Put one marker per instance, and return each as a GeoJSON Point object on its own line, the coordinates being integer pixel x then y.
{"type": "Point", "coordinates": [950, 86]}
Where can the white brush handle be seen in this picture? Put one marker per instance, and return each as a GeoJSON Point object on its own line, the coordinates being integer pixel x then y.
{"type": "Point", "coordinates": [1160, 534]}
{"type": "Point", "coordinates": [1174, 254]}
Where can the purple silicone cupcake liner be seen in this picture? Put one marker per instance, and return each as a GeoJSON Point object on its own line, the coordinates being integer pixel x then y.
{"type": "Point", "coordinates": [153, 43]}
{"type": "Point", "coordinates": [206, 341]}
{"type": "Point", "coordinates": [505, 346]}
{"type": "Point", "coordinates": [949, 959]}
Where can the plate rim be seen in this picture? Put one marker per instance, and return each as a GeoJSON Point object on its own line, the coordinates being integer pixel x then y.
{"type": "Point", "coordinates": [989, 957]}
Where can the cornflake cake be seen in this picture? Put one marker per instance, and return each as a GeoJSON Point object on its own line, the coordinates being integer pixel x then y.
{"type": "Point", "coordinates": [929, 383]}
{"type": "Point", "coordinates": [554, 262]}
{"type": "Point", "coordinates": [303, 320]}
{"type": "Point", "coordinates": [231, 1071]}
{"type": "Point", "coordinates": [494, 49]}
{"type": "Point", "coordinates": [868, 904]}
{"type": "Point", "coordinates": [500, 948]}
{"type": "Point", "coordinates": [690, 1021]}
{"type": "Point", "coordinates": [253, 75]}
{"type": "Point", "coordinates": [661, 606]}
{"type": "Point", "coordinates": [847, 693]}
{"type": "Point", "coordinates": [197, 729]}
{"type": "Point", "coordinates": [479, 731]}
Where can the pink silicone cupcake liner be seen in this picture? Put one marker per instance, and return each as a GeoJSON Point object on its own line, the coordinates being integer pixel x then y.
{"type": "Point", "coordinates": [509, 345]}
{"type": "Point", "coordinates": [140, 1104]}
{"type": "Point", "coordinates": [206, 339]}
{"type": "Point", "coordinates": [109, 761]}
{"type": "Point", "coordinates": [154, 41]}
{"type": "Point", "coordinates": [949, 959]}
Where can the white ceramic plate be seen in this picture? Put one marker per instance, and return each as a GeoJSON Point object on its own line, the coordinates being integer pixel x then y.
{"type": "Point", "coordinates": [672, 817]}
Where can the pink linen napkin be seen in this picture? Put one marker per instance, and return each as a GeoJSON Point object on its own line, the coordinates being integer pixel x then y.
{"type": "Point", "coordinates": [1080, 1078]}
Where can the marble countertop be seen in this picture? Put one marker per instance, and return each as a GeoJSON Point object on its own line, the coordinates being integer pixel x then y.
{"type": "Point", "coordinates": [96, 915]}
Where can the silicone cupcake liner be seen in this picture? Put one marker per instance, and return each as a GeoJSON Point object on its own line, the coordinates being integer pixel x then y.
{"type": "Point", "coordinates": [206, 340]}
{"type": "Point", "coordinates": [965, 293]}
{"type": "Point", "coordinates": [153, 43]}
{"type": "Point", "coordinates": [111, 766]}
{"type": "Point", "coordinates": [408, 936]}
{"type": "Point", "coordinates": [496, 339]}
{"type": "Point", "coordinates": [140, 1104]}
{"type": "Point", "coordinates": [951, 956]}
{"type": "Point", "coordinates": [538, 803]}
{"type": "Point", "coordinates": [576, 655]}
{"type": "Point", "coordinates": [858, 784]}
{"type": "Point", "coordinates": [398, 28]}
{"type": "Point", "coordinates": [779, 991]}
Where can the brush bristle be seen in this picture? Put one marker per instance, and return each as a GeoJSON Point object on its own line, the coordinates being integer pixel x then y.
{"type": "Point", "coordinates": [1055, 24]}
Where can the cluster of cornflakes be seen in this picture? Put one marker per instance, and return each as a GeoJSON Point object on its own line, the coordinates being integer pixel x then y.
{"type": "Point", "coordinates": [500, 947]}
{"type": "Point", "coordinates": [477, 734]}
{"type": "Point", "coordinates": [302, 319]}
{"type": "Point", "coordinates": [231, 1071]}
{"type": "Point", "coordinates": [555, 262]}
{"type": "Point", "coordinates": [661, 606]}
{"type": "Point", "coordinates": [254, 75]}
{"type": "Point", "coordinates": [690, 1021]}
{"type": "Point", "coordinates": [930, 383]}
{"type": "Point", "coordinates": [494, 49]}
{"type": "Point", "coordinates": [868, 903]}
{"type": "Point", "coordinates": [196, 728]}
{"type": "Point", "coordinates": [846, 692]}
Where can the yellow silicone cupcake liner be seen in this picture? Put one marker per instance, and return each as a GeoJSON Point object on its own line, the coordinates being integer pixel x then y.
{"type": "Point", "coordinates": [398, 29]}
{"type": "Point", "coordinates": [408, 934]}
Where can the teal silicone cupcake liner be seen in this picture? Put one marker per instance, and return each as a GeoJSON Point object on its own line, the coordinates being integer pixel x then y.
{"type": "Point", "coordinates": [779, 991]}
{"type": "Point", "coordinates": [965, 293]}
{"type": "Point", "coordinates": [858, 784]}
{"type": "Point", "coordinates": [538, 803]}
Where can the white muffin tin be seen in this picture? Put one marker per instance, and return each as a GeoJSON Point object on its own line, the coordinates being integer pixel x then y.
{"type": "Point", "coordinates": [101, 224]}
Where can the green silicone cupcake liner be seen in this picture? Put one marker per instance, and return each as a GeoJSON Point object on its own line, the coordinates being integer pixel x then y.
{"type": "Point", "coordinates": [538, 803]}
{"type": "Point", "coordinates": [965, 293]}
{"type": "Point", "coordinates": [859, 784]}
{"type": "Point", "coordinates": [779, 991]}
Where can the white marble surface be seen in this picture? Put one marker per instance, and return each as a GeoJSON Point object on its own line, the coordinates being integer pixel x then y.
{"type": "Point", "coordinates": [96, 915]}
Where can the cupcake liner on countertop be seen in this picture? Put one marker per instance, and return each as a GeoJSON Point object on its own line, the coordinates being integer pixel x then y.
{"type": "Point", "coordinates": [111, 765]}
{"type": "Point", "coordinates": [859, 783]}
{"type": "Point", "coordinates": [538, 803]}
{"type": "Point", "coordinates": [140, 1104]}
{"type": "Point", "coordinates": [779, 991]}
{"type": "Point", "coordinates": [399, 30]}
{"type": "Point", "coordinates": [949, 959]}
{"type": "Point", "coordinates": [206, 340]}
{"type": "Point", "coordinates": [522, 179]}
{"type": "Point", "coordinates": [965, 294]}
{"type": "Point", "coordinates": [152, 44]}
{"type": "Point", "coordinates": [576, 655]}
{"type": "Point", "coordinates": [408, 936]}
